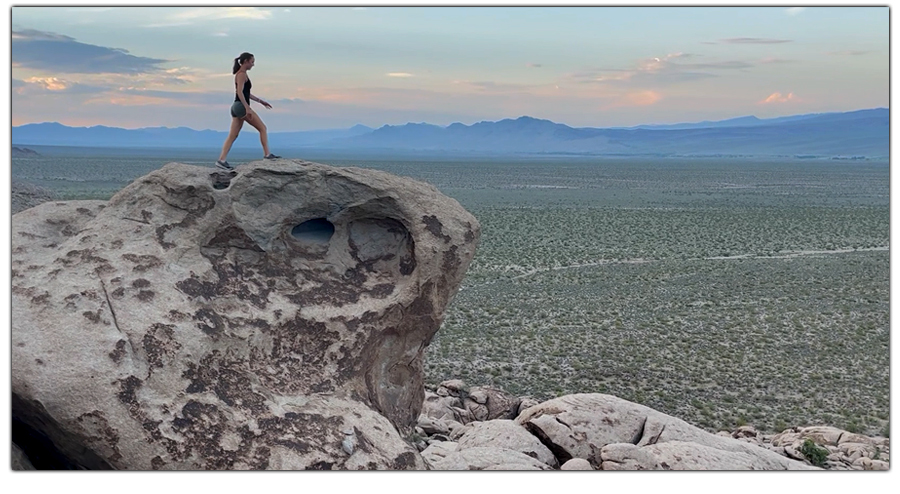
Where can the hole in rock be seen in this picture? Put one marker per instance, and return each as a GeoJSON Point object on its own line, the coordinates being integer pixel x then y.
{"type": "Point", "coordinates": [221, 180]}
{"type": "Point", "coordinates": [318, 230]}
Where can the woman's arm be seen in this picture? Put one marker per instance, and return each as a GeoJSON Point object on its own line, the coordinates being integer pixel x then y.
{"type": "Point", "coordinates": [260, 101]}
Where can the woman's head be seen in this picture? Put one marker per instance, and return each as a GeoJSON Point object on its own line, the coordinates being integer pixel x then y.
{"type": "Point", "coordinates": [241, 60]}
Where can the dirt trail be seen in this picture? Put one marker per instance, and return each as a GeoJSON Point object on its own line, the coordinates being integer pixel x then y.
{"type": "Point", "coordinates": [780, 255]}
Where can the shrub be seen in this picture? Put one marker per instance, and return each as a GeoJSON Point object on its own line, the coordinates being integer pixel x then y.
{"type": "Point", "coordinates": [815, 454]}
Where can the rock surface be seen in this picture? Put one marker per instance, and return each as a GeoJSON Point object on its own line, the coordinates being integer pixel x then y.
{"type": "Point", "coordinates": [18, 459]}
{"type": "Point", "coordinates": [846, 450]}
{"type": "Point", "coordinates": [506, 434]}
{"type": "Point", "coordinates": [576, 464]}
{"type": "Point", "coordinates": [209, 320]}
{"type": "Point", "coordinates": [581, 425]}
{"type": "Point", "coordinates": [488, 403]}
{"type": "Point", "coordinates": [488, 458]}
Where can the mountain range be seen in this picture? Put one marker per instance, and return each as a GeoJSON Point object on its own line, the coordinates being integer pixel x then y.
{"type": "Point", "coordinates": [855, 133]}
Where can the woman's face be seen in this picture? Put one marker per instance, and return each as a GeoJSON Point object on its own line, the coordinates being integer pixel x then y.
{"type": "Point", "coordinates": [250, 62]}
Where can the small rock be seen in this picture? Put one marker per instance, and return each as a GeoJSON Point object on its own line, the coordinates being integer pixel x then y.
{"type": "Point", "coordinates": [791, 451]}
{"type": "Point", "coordinates": [745, 431]}
{"type": "Point", "coordinates": [865, 463]}
{"type": "Point", "coordinates": [478, 396]}
{"type": "Point", "coordinates": [349, 442]}
{"type": "Point", "coordinates": [432, 426]}
{"type": "Point", "coordinates": [489, 403]}
{"type": "Point", "coordinates": [453, 387]}
{"type": "Point", "coordinates": [576, 464]}
{"type": "Point", "coordinates": [526, 402]}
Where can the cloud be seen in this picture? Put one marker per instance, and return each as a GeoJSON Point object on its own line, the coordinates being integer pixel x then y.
{"type": "Point", "coordinates": [220, 34]}
{"type": "Point", "coordinates": [771, 60]}
{"type": "Point", "coordinates": [777, 98]}
{"type": "Point", "coordinates": [734, 64]}
{"type": "Point", "coordinates": [667, 69]}
{"type": "Point", "coordinates": [202, 14]}
{"type": "Point", "coordinates": [53, 85]}
{"type": "Point", "coordinates": [499, 86]}
{"type": "Point", "coordinates": [753, 41]}
{"type": "Point", "coordinates": [180, 98]}
{"type": "Point", "coordinates": [846, 53]}
{"type": "Point", "coordinates": [62, 54]}
{"type": "Point", "coordinates": [359, 8]}
{"type": "Point", "coordinates": [399, 74]}
{"type": "Point", "coordinates": [35, 35]}
{"type": "Point", "coordinates": [91, 9]}
{"type": "Point", "coordinates": [534, 65]}
{"type": "Point", "coordinates": [794, 10]}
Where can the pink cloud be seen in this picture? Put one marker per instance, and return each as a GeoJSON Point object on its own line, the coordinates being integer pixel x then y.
{"type": "Point", "coordinates": [778, 98]}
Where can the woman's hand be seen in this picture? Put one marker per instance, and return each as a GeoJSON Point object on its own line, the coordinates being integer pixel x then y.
{"type": "Point", "coordinates": [266, 104]}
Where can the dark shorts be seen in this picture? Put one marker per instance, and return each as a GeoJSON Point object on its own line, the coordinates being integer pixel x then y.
{"type": "Point", "coordinates": [238, 110]}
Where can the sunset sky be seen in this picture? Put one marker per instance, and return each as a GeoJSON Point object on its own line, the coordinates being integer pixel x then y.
{"type": "Point", "coordinates": [334, 67]}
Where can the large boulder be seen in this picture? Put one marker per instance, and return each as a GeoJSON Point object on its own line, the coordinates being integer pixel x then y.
{"type": "Point", "coordinates": [272, 317]}
{"type": "Point", "coordinates": [489, 403]}
{"type": "Point", "coordinates": [582, 425]}
{"type": "Point", "coordinates": [445, 407]}
{"type": "Point", "coordinates": [488, 458]}
{"type": "Point", "coordinates": [509, 435]}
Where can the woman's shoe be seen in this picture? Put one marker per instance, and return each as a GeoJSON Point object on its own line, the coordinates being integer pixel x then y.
{"type": "Point", "coordinates": [224, 165]}
{"type": "Point", "coordinates": [271, 157]}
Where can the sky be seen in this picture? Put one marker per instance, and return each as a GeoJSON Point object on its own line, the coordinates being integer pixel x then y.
{"type": "Point", "coordinates": [338, 66]}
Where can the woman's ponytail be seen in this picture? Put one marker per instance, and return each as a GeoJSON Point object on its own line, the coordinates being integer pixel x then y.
{"type": "Point", "coordinates": [240, 61]}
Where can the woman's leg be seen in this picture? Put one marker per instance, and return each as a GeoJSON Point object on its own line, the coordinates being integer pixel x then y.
{"type": "Point", "coordinates": [236, 124]}
{"type": "Point", "coordinates": [254, 120]}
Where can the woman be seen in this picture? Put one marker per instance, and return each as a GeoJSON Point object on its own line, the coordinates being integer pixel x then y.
{"type": "Point", "coordinates": [240, 110]}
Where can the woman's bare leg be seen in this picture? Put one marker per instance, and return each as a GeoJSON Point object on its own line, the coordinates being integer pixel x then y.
{"type": "Point", "coordinates": [254, 120]}
{"type": "Point", "coordinates": [236, 124]}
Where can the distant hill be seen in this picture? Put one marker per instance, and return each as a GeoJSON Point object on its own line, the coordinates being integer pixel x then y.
{"type": "Point", "coordinates": [859, 133]}
{"type": "Point", "coordinates": [18, 152]}
{"type": "Point", "coordinates": [862, 133]}
{"type": "Point", "coordinates": [55, 134]}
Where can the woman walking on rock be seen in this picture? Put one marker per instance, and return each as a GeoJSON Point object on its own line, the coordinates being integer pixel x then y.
{"type": "Point", "coordinates": [240, 110]}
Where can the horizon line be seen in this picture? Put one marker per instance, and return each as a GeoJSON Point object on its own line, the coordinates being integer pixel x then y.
{"type": "Point", "coordinates": [460, 123]}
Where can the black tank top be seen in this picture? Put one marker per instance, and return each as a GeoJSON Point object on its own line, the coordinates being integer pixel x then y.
{"type": "Point", "coordinates": [246, 92]}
